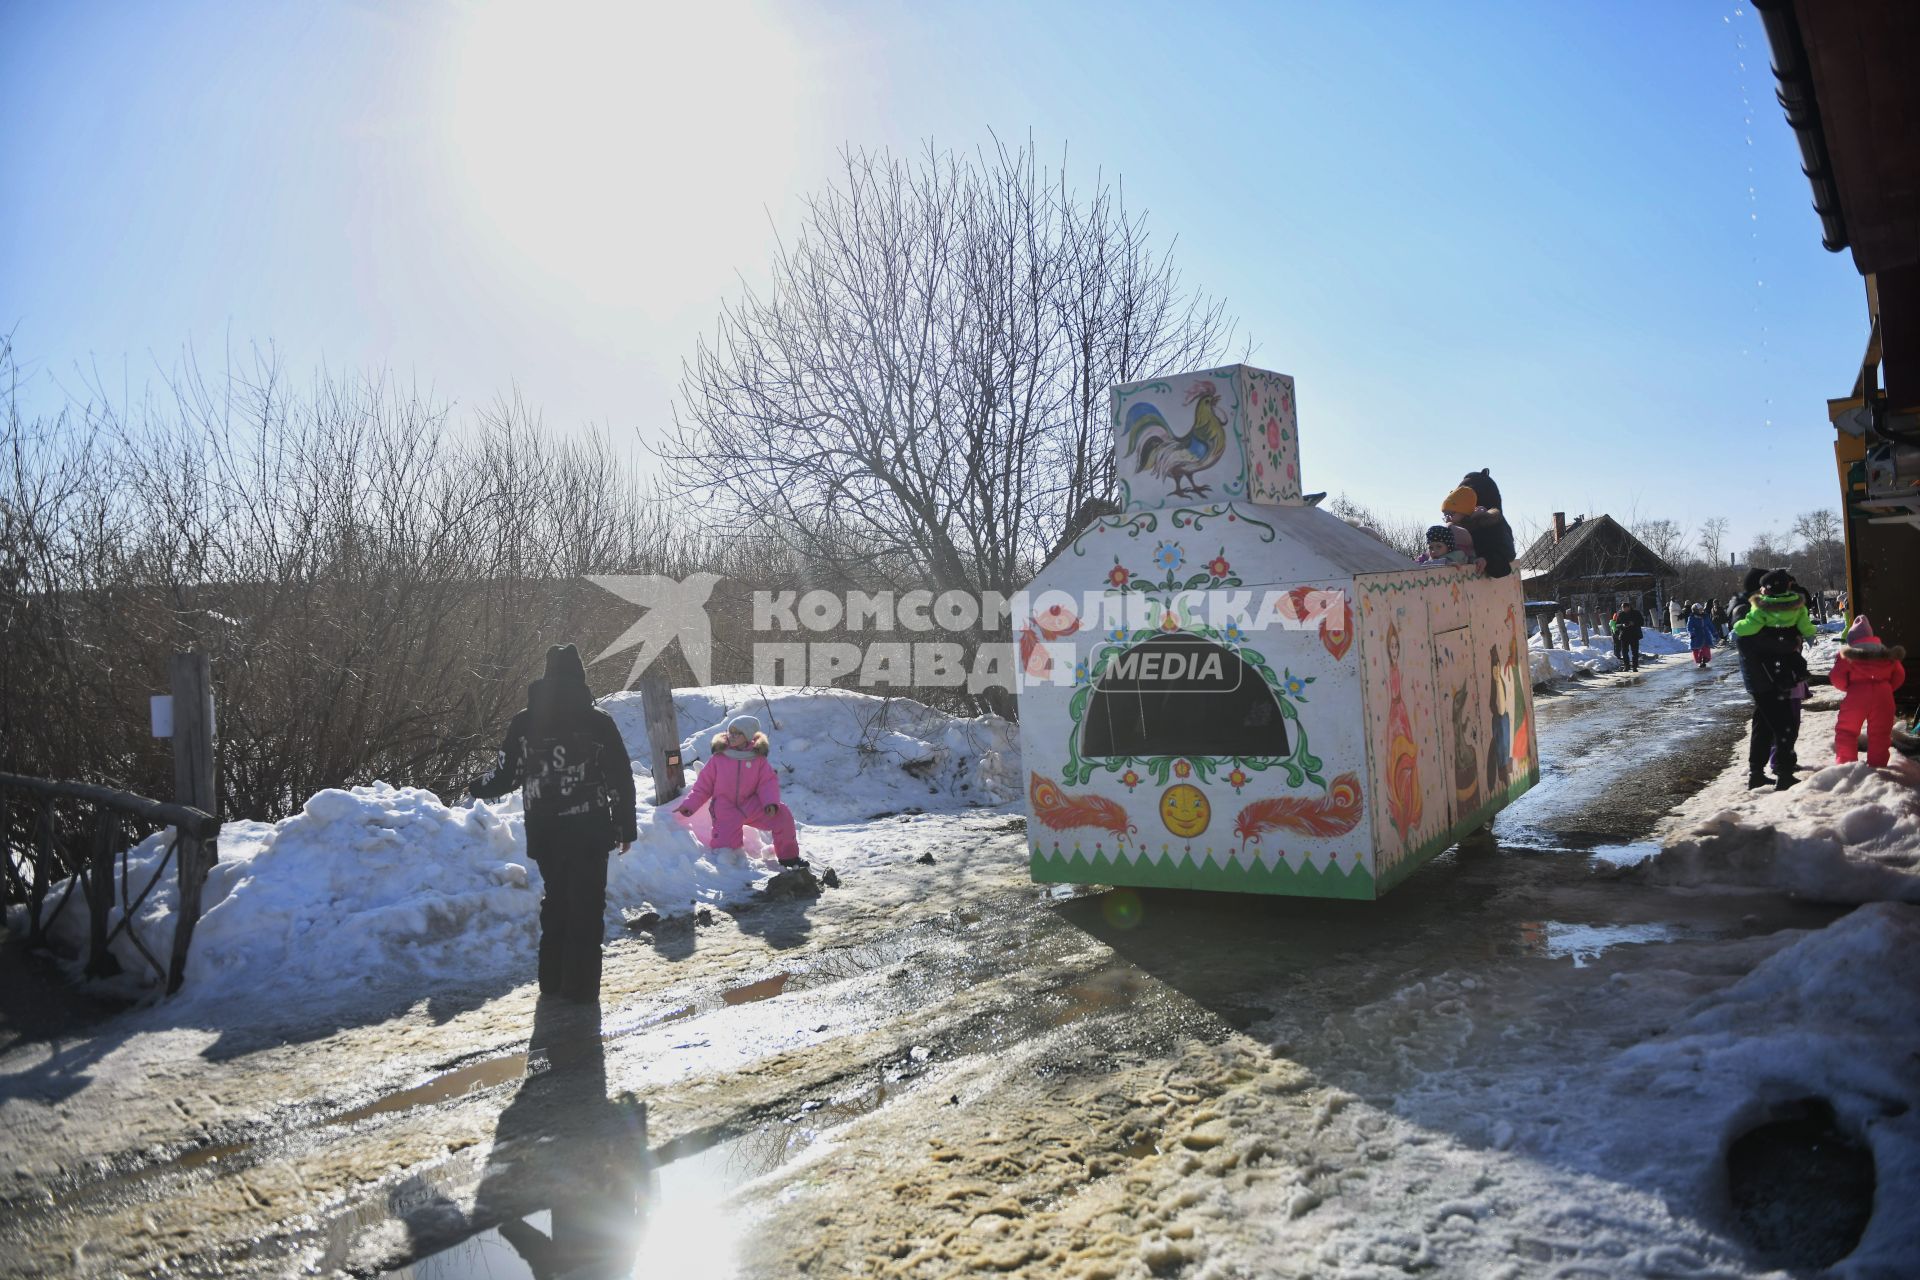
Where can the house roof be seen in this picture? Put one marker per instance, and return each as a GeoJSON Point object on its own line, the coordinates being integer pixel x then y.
{"type": "Point", "coordinates": [1847, 84]}
{"type": "Point", "coordinates": [1598, 547]}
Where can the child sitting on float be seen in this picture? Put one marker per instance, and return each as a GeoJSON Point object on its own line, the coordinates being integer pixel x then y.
{"type": "Point", "coordinates": [1441, 548]}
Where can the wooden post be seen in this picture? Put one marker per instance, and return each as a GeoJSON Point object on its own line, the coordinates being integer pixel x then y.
{"type": "Point", "coordinates": [663, 737]}
{"type": "Point", "coordinates": [99, 885]}
{"type": "Point", "coordinates": [193, 784]}
{"type": "Point", "coordinates": [42, 868]}
{"type": "Point", "coordinates": [1561, 619]}
{"type": "Point", "coordinates": [1586, 607]}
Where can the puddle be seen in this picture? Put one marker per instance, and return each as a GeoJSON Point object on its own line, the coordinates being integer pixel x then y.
{"type": "Point", "coordinates": [670, 1215]}
{"type": "Point", "coordinates": [207, 1155]}
{"type": "Point", "coordinates": [1625, 855]}
{"type": "Point", "coordinates": [765, 989]}
{"type": "Point", "coordinates": [488, 1073]}
{"type": "Point", "coordinates": [1585, 943]}
{"type": "Point", "coordinates": [1115, 988]}
{"type": "Point", "coordinates": [492, 1072]}
{"type": "Point", "coordinates": [668, 1218]}
{"type": "Point", "coordinates": [454, 1084]}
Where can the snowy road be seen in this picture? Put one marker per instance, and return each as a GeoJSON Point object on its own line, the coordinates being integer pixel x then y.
{"type": "Point", "coordinates": [958, 1069]}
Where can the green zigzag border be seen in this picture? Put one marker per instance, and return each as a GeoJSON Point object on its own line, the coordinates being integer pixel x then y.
{"type": "Point", "coordinates": [1185, 872]}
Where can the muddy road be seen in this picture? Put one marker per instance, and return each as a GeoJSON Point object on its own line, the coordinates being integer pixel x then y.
{"type": "Point", "coordinates": [979, 1072]}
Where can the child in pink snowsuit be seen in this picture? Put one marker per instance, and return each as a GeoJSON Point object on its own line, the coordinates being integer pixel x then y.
{"type": "Point", "coordinates": [745, 791]}
{"type": "Point", "coordinates": [1867, 672]}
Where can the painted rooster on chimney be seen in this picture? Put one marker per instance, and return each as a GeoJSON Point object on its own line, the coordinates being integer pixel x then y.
{"type": "Point", "coordinates": [1154, 447]}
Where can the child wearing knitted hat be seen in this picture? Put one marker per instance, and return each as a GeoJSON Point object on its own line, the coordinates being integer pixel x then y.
{"type": "Point", "coordinates": [1443, 546]}
{"type": "Point", "coordinates": [745, 792]}
{"type": "Point", "coordinates": [1868, 672]}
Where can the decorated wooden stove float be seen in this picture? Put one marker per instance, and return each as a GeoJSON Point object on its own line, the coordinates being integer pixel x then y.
{"type": "Point", "coordinates": [1225, 687]}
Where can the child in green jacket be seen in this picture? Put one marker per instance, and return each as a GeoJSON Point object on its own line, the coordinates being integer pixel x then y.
{"type": "Point", "coordinates": [1770, 635]}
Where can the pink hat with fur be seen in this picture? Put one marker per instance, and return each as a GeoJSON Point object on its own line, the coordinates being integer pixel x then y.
{"type": "Point", "coordinates": [1861, 632]}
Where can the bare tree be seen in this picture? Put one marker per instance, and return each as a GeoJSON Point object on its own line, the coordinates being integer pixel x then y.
{"type": "Point", "coordinates": [1665, 538]}
{"type": "Point", "coordinates": [921, 393]}
{"type": "Point", "coordinates": [1768, 550]}
{"type": "Point", "coordinates": [1823, 553]}
{"type": "Point", "coordinates": [1713, 537]}
{"type": "Point", "coordinates": [1408, 537]}
{"type": "Point", "coordinates": [374, 587]}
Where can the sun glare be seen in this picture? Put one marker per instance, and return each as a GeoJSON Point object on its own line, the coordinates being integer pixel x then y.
{"type": "Point", "coordinates": [608, 144]}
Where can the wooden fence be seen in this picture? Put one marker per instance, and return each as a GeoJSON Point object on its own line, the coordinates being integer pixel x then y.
{"type": "Point", "coordinates": [54, 840]}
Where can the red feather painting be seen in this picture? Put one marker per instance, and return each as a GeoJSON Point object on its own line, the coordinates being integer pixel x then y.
{"type": "Point", "coordinates": [1321, 817]}
{"type": "Point", "coordinates": [1055, 809]}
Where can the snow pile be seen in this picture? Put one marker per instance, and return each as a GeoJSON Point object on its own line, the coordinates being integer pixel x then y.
{"type": "Point", "coordinates": [844, 756]}
{"type": "Point", "coordinates": [1848, 833]}
{"type": "Point", "coordinates": [1488, 1114]}
{"type": "Point", "coordinates": [1831, 1017]}
{"type": "Point", "coordinates": [1593, 658]}
{"type": "Point", "coordinates": [1661, 642]}
{"type": "Point", "coordinates": [366, 885]}
{"type": "Point", "coordinates": [1824, 648]}
{"type": "Point", "coordinates": [379, 885]}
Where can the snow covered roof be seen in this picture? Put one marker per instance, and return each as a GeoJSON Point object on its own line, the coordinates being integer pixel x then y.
{"type": "Point", "coordinates": [1344, 548]}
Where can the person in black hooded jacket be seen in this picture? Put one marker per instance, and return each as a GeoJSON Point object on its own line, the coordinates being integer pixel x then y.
{"type": "Point", "coordinates": [1770, 635]}
{"type": "Point", "coordinates": [567, 757]}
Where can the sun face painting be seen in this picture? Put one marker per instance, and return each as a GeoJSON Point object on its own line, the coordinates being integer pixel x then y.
{"type": "Point", "coordinates": [1185, 811]}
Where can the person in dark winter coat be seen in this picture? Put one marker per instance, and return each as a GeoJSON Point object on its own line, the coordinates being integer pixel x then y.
{"type": "Point", "coordinates": [1797, 699]}
{"type": "Point", "coordinates": [1700, 635]}
{"type": "Point", "coordinates": [1770, 634]}
{"type": "Point", "coordinates": [1629, 626]}
{"type": "Point", "coordinates": [571, 765]}
{"type": "Point", "coordinates": [1720, 622]}
{"type": "Point", "coordinates": [1749, 588]}
{"type": "Point", "coordinates": [1868, 672]}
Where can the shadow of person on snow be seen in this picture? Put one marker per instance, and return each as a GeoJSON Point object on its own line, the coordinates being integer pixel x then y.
{"type": "Point", "coordinates": [781, 923]}
{"type": "Point", "coordinates": [562, 1145]}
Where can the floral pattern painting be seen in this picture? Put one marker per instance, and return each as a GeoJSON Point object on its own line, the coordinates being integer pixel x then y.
{"type": "Point", "coordinates": [1273, 453]}
{"type": "Point", "coordinates": [1321, 759]}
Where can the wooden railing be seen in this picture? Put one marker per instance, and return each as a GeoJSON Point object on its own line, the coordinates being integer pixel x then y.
{"type": "Point", "coordinates": [37, 853]}
{"type": "Point", "coordinates": [53, 851]}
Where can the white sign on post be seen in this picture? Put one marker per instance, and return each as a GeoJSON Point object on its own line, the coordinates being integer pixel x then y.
{"type": "Point", "coordinates": [160, 708]}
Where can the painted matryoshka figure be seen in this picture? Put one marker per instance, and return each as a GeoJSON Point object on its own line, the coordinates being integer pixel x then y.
{"type": "Point", "coordinates": [1403, 756]}
{"type": "Point", "coordinates": [1518, 695]}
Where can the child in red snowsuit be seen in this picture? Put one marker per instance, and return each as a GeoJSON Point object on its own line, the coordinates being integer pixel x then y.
{"type": "Point", "coordinates": [745, 792]}
{"type": "Point", "coordinates": [1867, 672]}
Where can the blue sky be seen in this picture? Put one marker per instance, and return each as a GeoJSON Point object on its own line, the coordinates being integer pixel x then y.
{"type": "Point", "coordinates": [1567, 241]}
